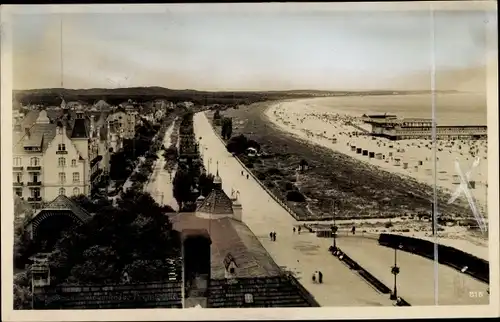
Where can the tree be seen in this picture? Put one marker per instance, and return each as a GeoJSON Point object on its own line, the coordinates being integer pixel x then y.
{"type": "Point", "coordinates": [23, 245]}
{"type": "Point", "coordinates": [294, 195]}
{"type": "Point", "coordinates": [227, 128]}
{"type": "Point", "coordinates": [206, 184]}
{"type": "Point", "coordinates": [237, 144]}
{"type": "Point", "coordinates": [182, 183]}
{"type": "Point", "coordinates": [114, 241]}
{"type": "Point", "coordinates": [91, 205]}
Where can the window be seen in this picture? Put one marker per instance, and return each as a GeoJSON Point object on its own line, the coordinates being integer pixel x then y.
{"type": "Point", "coordinates": [73, 163]}
{"type": "Point", "coordinates": [76, 177]}
{"type": "Point", "coordinates": [34, 177]}
{"type": "Point", "coordinates": [62, 192]}
{"type": "Point", "coordinates": [61, 162]}
{"type": "Point", "coordinates": [61, 147]}
{"type": "Point", "coordinates": [17, 162]}
{"type": "Point", "coordinates": [76, 191]}
{"type": "Point", "coordinates": [18, 192]}
{"type": "Point", "coordinates": [248, 298]}
{"type": "Point", "coordinates": [35, 162]}
{"type": "Point", "coordinates": [35, 192]}
{"type": "Point", "coordinates": [62, 177]}
{"type": "Point", "coordinates": [19, 177]}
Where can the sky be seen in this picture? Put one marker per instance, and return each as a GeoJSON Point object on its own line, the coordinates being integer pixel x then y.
{"type": "Point", "coordinates": [247, 50]}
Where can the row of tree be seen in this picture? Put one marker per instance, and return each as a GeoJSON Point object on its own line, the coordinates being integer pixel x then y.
{"type": "Point", "coordinates": [190, 180]}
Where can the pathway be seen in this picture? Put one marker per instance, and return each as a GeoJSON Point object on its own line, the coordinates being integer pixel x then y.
{"type": "Point", "coordinates": [299, 254]}
{"type": "Point", "coordinates": [160, 182]}
{"type": "Point", "coordinates": [416, 281]}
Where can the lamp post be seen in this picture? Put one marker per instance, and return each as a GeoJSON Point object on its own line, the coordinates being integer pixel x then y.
{"type": "Point", "coordinates": [395, 271]}
{"type": "Point", "coordinates": [336, 205]}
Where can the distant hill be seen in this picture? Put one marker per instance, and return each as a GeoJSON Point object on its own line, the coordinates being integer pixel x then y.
{"type": "Point", "coordinates": [51, 96]}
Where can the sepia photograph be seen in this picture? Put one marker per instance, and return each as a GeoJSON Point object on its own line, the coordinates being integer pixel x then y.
{"type": "Point", "coordinates": [249, 156]}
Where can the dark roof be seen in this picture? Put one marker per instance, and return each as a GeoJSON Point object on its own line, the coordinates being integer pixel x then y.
{"type": "Point", "coordinates": [278, 291]}
{"type": "Point", "coordinates": [40, 134]}
{"type": "Point", "coordinates": [217, 202]}
{"type": "Point", "coordinates": [62, 202]}
{"type": "Point", "coordinates": [80, 129]}
{"type": "Point", "coordinates": [230, 236]}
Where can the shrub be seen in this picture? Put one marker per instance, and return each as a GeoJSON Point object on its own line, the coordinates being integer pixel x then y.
{"type": "Point", "coordinates": [295, 196]}
{"type": "Point", "coordinates": [289, 186]}
{"type": "Point", "coordinates": [261, 176]}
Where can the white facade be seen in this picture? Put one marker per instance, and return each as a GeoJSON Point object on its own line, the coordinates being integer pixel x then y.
{"type": "Point", "coordinates": [48, 163]}
{"type": "Point", "coordinates": [66, 168]}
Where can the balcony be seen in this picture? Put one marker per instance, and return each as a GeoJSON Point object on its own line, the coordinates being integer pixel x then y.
{"type": "Point", "coordinates": [34, 168]}
{"type": "Point", "coordinates": [17, 168]}
{"type": "Point", "coordinates": [34, 199]}
{"type": "Point", "coordinates": [61, 152]}
{"type": "Point", "coordinates": [18, 184]}
{"type": "Point", "coordinates": [34, 184]}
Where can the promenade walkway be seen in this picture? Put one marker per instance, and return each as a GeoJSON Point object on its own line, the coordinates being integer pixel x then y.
{"type": "Point", "coordinates": [160, 182]}
{"type": "Point", "coordinates": [416, 281]}
{"type": "Point", "coordinates": [299, 254]}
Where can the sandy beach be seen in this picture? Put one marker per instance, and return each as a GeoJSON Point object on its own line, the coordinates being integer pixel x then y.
{"type": "Point", "coordinates": [323, 122]}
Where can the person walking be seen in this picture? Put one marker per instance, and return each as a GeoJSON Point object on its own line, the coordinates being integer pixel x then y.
{"type": "Point", "coordinates": [241, 172]}
{"type": "Point", "coordinates": [294, 230]}
{"type": "Point", "coordinates": [271, 236]}
{"type": "Point", "coordinates": [299, 230]}
{"type": "Point", "coordinates": [314, 277]}
{"type": "Point", "coordinates": [274, 236]}
{"type": "Point", "coordinates": [247, 176]}
{"type": "Point", "coordinates": [353, 230]}
{"type": "Point", "coordinates": [320, 277]}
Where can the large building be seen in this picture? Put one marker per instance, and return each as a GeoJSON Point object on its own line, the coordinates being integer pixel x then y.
{"type": "Point", "coordinates": [393, 128]}
{"type": "Point", "coordinates": [123, 123]}
{"type": "Point", "coordinates": [55, 156]}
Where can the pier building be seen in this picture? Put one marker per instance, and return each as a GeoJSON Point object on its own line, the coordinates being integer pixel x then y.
{"type": "Point", "coordinates": [395, 128]}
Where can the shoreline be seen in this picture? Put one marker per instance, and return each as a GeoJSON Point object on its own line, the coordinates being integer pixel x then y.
{"type": "Point", "coordinates": [329, 123]}
{"type": "Point", "coordinates": [254, 124]}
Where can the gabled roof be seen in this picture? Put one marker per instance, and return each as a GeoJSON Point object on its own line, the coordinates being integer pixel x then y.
{"type": "Point", "coordinates": [40, 135]}
{"type": "Point", "coordinates": [62, 202]}
{"type": "Point", "coordinates": [217, 202]}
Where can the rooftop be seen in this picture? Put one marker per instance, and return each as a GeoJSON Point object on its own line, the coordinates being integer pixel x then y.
{"type": "Point", "coordinates": [230, 236]}
{"type": "Point", "coordinates": [63, 203]}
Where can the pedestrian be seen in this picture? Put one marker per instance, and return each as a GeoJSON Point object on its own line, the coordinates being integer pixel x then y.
{"type": "Point", "coordinates": [271, 236]}
{"type": "Point", "coordinates": [353, 230]}
{"type": "Point", "coordinates": [274, 236]}
{"type": "Point", "coordinates": [320, 277]}
{"type": "Point", "coordinates": [299, 230]}
{"type": "Point", "coordinates": [241, 172]}
{"type": "Point", "coordinates": [314, 277]}
{"type": "Point", "coordinates": [247, 176]}
{"type": "Point", "coordinates": [294, 230]}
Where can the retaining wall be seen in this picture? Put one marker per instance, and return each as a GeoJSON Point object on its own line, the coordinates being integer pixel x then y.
{"type": "Point", "coordinates": [476, 267]}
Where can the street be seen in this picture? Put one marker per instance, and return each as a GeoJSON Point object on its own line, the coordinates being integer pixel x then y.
{"type": "Point", "coordinates": [160, 182]}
